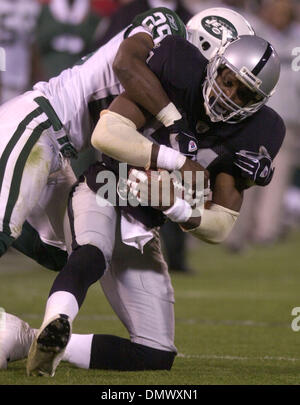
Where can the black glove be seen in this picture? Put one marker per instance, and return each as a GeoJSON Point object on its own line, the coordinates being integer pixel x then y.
{"type": "Point", "coordinates": [182, 139]}
{"type": "Point", "coordinates": [256, 167]}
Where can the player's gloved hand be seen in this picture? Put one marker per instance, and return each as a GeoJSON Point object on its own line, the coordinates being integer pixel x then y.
{"type": "Point", "coordinates": [256, 167]}
{"type": "Point", "coordinates": [182, 139]}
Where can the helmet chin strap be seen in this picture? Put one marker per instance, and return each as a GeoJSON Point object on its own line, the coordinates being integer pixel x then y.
{"type": "Point", "coordinates": [206, 103]}
{"type": "Point", "coordinates": [224, 42]}
{"type": "Point", "coordinates": [224, 37]}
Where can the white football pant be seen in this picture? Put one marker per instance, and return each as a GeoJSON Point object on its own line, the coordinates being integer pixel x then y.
{"type": "Point", "coordinates": [137, 285]}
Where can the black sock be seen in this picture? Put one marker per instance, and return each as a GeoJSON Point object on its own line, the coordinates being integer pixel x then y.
{"type": "Point", "coordinates": [115, 353]}
{"type": "Point", "coordinates": [85, 266]}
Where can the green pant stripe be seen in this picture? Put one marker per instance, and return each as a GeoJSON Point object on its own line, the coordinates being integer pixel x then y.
{"type": "Point", "coordinates": [18, 173]}
{"type": "Point", "coordinates": [44, 103]}
{"type": "Point", "coordinates": [14, 139]}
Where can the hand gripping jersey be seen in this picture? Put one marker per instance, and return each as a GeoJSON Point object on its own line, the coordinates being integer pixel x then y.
{"type": "Point", "coordinates": [79, 94]}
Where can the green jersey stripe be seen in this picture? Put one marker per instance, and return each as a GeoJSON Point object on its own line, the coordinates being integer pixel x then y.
{"type": "Point", "coordinates": [67, 149]}
{"type": "Point", "coordinates": [44, 103]}
{"type": "Point", "coordinates": [14, 140]}
{"type": "Point", "coordinates": [18, 173]}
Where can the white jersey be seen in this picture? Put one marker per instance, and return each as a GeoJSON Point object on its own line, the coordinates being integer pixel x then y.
{"type": "Point", "coordinates": [38, 127]}
{"type": "Point", "coordinates": [91, 85]}
{"type": "Point", "coordinates": [72, 92]}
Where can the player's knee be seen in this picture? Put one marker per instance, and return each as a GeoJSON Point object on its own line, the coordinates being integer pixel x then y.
{"type": "Point", "coordinates": [115, 353]}
{"type": "Point", "coordinates": [87, 264]}
{"type": "Point", "coordinates": [100, 242]}
{"type": "Point", "coordinates": [5, 242]}
{"type": "Point", "coordinates": [155, 359]}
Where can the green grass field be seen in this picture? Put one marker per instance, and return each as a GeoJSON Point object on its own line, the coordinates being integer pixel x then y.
{"type": "Point", "coordinates": [233, 319]}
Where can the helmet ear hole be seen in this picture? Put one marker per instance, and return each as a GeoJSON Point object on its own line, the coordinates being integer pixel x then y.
{"type": "Point", "coordinates": [205, 46]}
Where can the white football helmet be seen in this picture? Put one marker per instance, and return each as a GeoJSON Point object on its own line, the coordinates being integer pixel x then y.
{"type": "Point", "coordinates": [214, 27]}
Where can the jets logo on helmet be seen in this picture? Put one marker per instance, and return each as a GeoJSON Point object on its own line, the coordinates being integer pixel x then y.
{"type": "Point", "coordinates": [214, 27]}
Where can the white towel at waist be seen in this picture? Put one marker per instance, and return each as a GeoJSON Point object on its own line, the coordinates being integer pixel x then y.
{"type": "Point", "coordinates": [134, 233]}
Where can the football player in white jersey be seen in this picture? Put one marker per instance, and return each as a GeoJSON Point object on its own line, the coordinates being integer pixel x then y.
{"type": "Point", "coordinates": [162, 346]}
{"type": "Point", "coordinates": [44, 127]}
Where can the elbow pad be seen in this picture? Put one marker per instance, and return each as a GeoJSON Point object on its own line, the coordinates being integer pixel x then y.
{"type": "Point", "coordinates": [216, 224]}
{"type": "Point", "coordinates": [117, 137]}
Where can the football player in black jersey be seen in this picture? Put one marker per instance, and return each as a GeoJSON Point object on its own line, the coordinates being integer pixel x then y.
{"type": "Point", "coordinates": [222, 102]}
{"type": "Point", "coordinates": [236, 133]}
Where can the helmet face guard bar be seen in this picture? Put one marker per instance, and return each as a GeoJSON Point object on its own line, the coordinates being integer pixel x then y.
{"type": "Point", "coordinates": [218, 106]}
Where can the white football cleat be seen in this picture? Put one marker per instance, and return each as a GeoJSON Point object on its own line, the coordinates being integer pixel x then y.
{"type": "Point", "coordinates": [48, 347]}
{"type": "Point", "coordinates": [16, 337]}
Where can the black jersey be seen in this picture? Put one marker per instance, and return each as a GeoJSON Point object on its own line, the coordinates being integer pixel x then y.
{"type": "Point", "coordinates": [181, 69]}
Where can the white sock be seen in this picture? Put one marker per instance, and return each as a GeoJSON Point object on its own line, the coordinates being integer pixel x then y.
{"type": "Point", "coordinates": [61, 302]}
{"type": "Point", "coordinates": [78, 350]}
{"type": "Point", "coordinates": [22, 349]}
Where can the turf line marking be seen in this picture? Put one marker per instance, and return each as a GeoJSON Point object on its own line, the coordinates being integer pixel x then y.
{"type": "Point", "coordinates": [80, 317]}
{"type": "Point", "coordinates": [232, 322]}
{"type": "Point", "coordinates": [226, 357]}
{"type": "Point", "coordinates": [191, 321]}
{"type": "Point", "coordinates": [231, 295]}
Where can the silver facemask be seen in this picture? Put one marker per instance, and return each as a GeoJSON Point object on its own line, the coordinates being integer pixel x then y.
{"type": "Point", "coordinates": [255, 63]}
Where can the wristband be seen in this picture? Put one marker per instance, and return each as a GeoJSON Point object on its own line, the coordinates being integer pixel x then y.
{"type": "Point", "coordinates": [181, 211]}
{"type": "Point", "coordinates": [169, 159]}
{"type": "Point", "coordinates": [168, 115]}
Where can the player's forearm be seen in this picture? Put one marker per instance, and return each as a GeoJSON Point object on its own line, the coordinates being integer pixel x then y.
{"type": "Point", "coordinates": [140, 82]}
{"type": "Point", "coordinates": [142, 85]}
{"type": "Point", "coordinates": [214, 225]}
{"type": "Point", "coordinates": [211, 224]}
{"type": "Point", "coordinates": [220, 214]}
{"type": "Point", "coordinates": [117, 136]}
